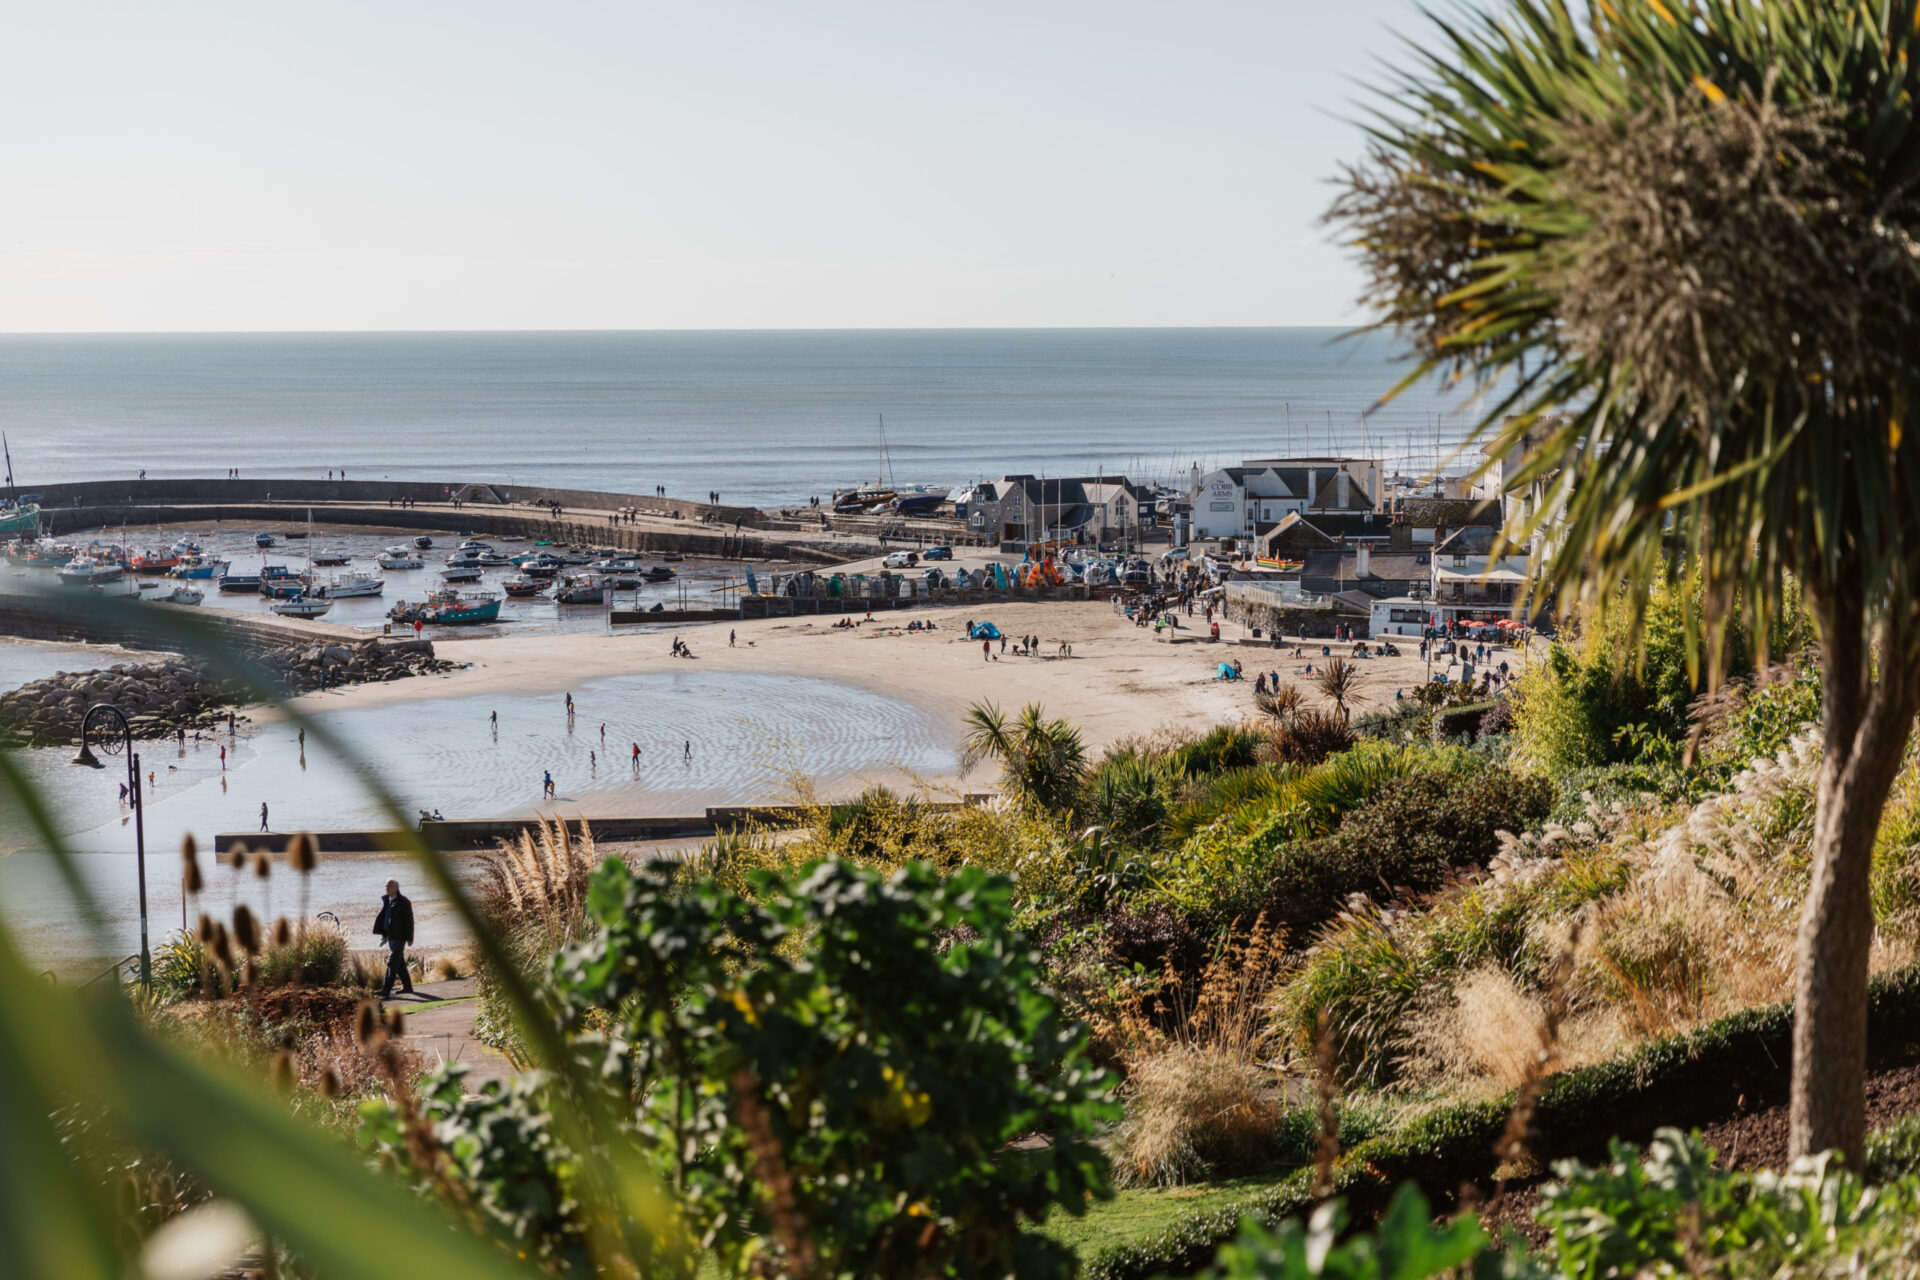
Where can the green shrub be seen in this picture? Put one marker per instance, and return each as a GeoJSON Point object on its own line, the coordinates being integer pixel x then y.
{"type": "Point", "coordinates": [1407, 839]}
{"type": "Point", "coordinates": [834, 1065]}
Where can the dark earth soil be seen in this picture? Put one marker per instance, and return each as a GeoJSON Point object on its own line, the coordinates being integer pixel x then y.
{"type": "Point", "coordinates": [1755, 1139]}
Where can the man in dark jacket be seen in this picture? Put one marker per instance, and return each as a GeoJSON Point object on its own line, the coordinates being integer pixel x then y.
{"type": "Point", "coordinates": [395, 924]}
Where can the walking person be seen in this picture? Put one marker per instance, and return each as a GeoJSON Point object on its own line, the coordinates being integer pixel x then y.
{"type": "Point", "coordinates": [636, 757]}
{"type": "Point", "coordinates": [569, 706]}
{"type": "Point", "coordinates": [263, 815]}
{"type": "Point", "coordinates": [223, 757]}
{"type": "Point", "coordinates": [546, 785]}
{"type": "Point", "coordinates": [395, 925]}
{"type": "Point", "coordinates": [493, 722]}
{"type": "Point", "coordinates": [686, 751]}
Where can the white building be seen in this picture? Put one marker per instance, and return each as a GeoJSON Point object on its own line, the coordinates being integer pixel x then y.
{"type": "Point", "coordinates": [1234, 502]}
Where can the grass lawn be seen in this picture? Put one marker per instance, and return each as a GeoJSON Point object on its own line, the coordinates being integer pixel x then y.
{"type": "Point", "coordinates": [1140, 1212]}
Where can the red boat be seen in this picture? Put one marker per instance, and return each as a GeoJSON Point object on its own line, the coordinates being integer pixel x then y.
{"type": "Point", "coordinates": [154, 561]}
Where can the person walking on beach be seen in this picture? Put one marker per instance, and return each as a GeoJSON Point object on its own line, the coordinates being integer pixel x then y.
{"type": "Point", "coordinates": [986, 650]}
{"type": "Point", "coordinates": [493, 722]}
{"type": "Point", "coordinates": [636, 757]}
{"type": "Point", "coordinates": [686, 751]}
{"type": "Point", "coordinates": [593, 762]}
{"type": "Point", "coordinates": [569, 706]}
{"type": "Point", "coordinates": [394, 925]}
{"type": "Point", "coordinates": [546, 784]}
{"type": "Point", "coordinates": [223, 756]}
{"type": "Point", "coordinates": [603, 733]}
{"type": "Point", "coordinates": [263, 815]}
{"type": "Point", "coordinates": [729, 637]}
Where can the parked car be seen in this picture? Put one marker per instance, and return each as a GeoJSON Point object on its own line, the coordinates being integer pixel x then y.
{"type": "Point", "coordinates": [900, 560]}
{"type": "Point", "coordinates": [938, 553]}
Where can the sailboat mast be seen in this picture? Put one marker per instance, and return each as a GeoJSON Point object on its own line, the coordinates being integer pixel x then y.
{"type": "Point", "coordinates": [4, 450]}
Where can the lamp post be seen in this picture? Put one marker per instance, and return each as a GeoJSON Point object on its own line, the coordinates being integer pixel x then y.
{"type": "Point", "coordinates": [107, 728]}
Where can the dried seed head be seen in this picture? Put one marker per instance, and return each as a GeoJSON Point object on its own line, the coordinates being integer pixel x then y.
{"type": "Point", "coordinates": [366, 1024]}
{"type": "Point", "coordinates": [222, 947]}
{"type": "Point", "coordinates": [330, 1083]}
{"type": "Point", "coordinates": [190, 883]}
{"type": "Point", "coordinates": [237, 857]}
{"type": "Point", "coordinates": [282, 1073]}
{"type": "Point", "coordinates": [262, 865]}
{"type": "Point", "coordinates": [300, 853]}
{"type": "Point", "coordinates": [249, 973]}
{"type": "Point", "coordinates": [190, 863]}
{"type": "Point", "coordinates": [282, 933]}
{"type": "Point", "coordinates": [396, 1023]}
{"type": "Point", "coordinates": [205, 931]}
{"type": "Point", "coordinates": [245, 932]}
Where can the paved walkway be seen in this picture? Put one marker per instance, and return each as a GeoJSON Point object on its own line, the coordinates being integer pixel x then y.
{"type": "Point", "coordinates": [440, 1027]}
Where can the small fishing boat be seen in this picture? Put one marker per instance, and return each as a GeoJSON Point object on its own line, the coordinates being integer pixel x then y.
{"type": "Point", "coordinates": [520, 587]}
{"type": "Point", "coordinates": [282, 588]}
{"type": "Point", "coordinates": [262, 539]}
{"type": "Point", "coordinates": [180, 595]}
{"type": "Point", "coordinates": [89, 571]}
{"type": "Point", "coordinates": [146, 584]}
{"type": "Point", "coordinates": [461, 573]}
{"type": "Point", "coordinates": [302, 606]}
{"type": "Point", "coordinates": [349, 585]}
{"type": "Point", "coordinates": [423, 542]}
{"type": "Point", "coordinates": [199, 567]}
{"type": "Point", "coordinates": [542, 571]}
{"type": "Point", "coordinates": [659, 573]}
{"type": "Point", "coordinates": [580, 589]}
{"type": "Point", "coordinates": [239, 582]}
{"type": "Point", "coordinates": [492, 560]}
{"type": "Point", "coordinates": [464, 557]}
{"type": "Point", "coordinates": [154, 562]}
{"type": "Point", "coordinates": [674, 556]}
{"type": "Point", "coordinates": [23, 517]}
{"type": "Point", "coordinates": [475, 547]}
{"type": "Point", "coordinates": [331, 558]}
{"type": "Point", "coordinates": [399, 558]}
{"type": "Point", "coordinates": [616, 564]}
{"type": "Point", "coordinates": [451, 608]}
{"type": "Point", "coordinates": [294, 535]}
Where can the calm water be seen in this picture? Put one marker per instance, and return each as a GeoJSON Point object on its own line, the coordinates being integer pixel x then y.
{"type": "Point", "coordinates": [705, 737]}
{"type": "Point", "coordinates": [762, 417]}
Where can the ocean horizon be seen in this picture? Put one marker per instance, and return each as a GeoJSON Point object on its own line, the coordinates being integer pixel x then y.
{"type": "Point", "coordinates": [761, 416]}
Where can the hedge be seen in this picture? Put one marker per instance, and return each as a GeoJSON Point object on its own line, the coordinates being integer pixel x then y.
{"type": "Point", "coordinates": [1683, 1080]}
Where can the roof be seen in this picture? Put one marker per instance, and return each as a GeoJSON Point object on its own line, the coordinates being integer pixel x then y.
{"type": "Point", "coordinates": [1329, 496]}
{"type": "Point", "coordinates": [1428, 513]}
{"type": "Point", "coordinates": [1491, 574]}
{"type": "Point", "coordinates": [1475, 540]}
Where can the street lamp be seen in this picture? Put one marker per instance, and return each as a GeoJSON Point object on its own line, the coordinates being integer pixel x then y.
{"type": "Point", "coordinates": [107, 728]}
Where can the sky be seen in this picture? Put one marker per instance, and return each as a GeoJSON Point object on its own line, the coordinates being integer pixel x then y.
{"type": "Point", "coordinates": [710, 164]}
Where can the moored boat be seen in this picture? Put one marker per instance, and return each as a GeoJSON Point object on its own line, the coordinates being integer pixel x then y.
{"type": "Point", "coordinates": [450, 608]}
{"type": "Point", "coordinates": [262, 539]}
{"type": "Point", "coordinates": [461, 573]}
{"type": "Point", "coordinates": [423, 542]}
{"type": "Point", "coordinates": [399, 558]}
{"type": "Point", "coordinates": [302, 606]}
{"type": "Point", "coordinates": [233, 583]}
{"type": "Point", "coordinates": [331, 558]}
{"type": "Point", "coordinates": [349, 585]}
{"type": "Point", "coordinates": [581, 589]}
{"type": "Point", "coordinates": [154, 562]}
{"type": "Point", "coordinates": [89, 571]}
{"type": "Point", "coordinates": [520, 587]}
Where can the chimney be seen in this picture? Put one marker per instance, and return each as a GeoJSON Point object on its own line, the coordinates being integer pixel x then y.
{"type": "Point", "coordinates": [1362, 567]}
{"type": "Point", "coordinates": [1342, 481]}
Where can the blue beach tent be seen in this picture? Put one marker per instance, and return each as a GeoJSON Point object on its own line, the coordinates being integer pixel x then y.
{"type": "Point", "coordinates": [985, 631]}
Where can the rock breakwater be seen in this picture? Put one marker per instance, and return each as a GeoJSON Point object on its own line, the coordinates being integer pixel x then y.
{"type": "Point", "coordinates": [161, 698]}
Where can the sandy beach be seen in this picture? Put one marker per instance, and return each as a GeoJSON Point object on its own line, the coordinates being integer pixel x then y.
{"type": "Point", "coordinates": [1118, 681]}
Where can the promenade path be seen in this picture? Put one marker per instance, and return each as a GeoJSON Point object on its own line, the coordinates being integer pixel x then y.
{"type": "Point", "coordinates": [440, 1018]}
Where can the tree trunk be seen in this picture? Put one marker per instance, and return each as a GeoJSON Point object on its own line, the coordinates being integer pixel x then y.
{"type": "Point", "coordinates": [1865, 724]}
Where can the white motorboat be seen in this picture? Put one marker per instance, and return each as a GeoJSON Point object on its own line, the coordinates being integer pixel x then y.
{"type": "Point", "coordinates": [146, 584]}
{"type": "Point", "coordinates": [461, 573]}
{"type": "Point", "coordinates": [347, 585]}
{"type": "Point", "coordinates": [86, 571]}
{"type": "Point", "coordinates": [179, 595]}
{"type": "Point", "coordinates": [330, 558]}
{"type": "Point", "coordinates": [301, 606]}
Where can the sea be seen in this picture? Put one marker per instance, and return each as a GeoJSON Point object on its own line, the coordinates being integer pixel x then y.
{"type": "Point", "coordinates": [765, 418]}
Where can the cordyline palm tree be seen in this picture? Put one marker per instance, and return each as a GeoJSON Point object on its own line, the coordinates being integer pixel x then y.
{"type": "Point", "coordinates": [1043, 763]}
{"type": "Point", "coordinates": [1337, 682]}
{"type": "Point", "coordinates": [1680, 240]}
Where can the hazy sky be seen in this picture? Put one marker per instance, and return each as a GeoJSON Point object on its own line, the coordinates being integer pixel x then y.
{"type": "Point", "coordinates": [710, 164]}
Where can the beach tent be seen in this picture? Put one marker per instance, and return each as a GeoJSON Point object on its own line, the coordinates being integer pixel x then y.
{"type": "Point", "coordinates": [985, 631]}
{"type": "Point", "coordinates": [1225, 672]}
